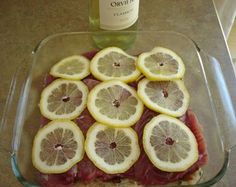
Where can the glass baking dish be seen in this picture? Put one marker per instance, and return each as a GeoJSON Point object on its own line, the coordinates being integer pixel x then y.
{"type": "Point", "coordinates": [209, 98]}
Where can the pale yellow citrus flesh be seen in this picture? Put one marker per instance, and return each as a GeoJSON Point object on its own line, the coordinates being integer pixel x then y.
{"type": "Point", "coordinates": [115, 103]}
{"type": "Point", "coordinates": [113, 63]}
{"type": "Point", "coordinates": [63, 99]}
{"type": "Point", "coordinates": [110, 142]}
{"type": "Point", "coordinates": [112, 149]}
{"type": "Point", "coordinates": [57, 147]}
{"type": "Point", "coordinates": [169, 144]}
{"type": "Point", "coordinates": [168, 97]}
{"type": "Point", "coordinates": [74, 67]}
{"type": "Point", "coordinates": [161, 64]}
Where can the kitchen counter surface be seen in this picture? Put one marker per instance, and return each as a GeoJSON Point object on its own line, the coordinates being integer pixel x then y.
{"type": "Point", "coordinates": [24, 23]}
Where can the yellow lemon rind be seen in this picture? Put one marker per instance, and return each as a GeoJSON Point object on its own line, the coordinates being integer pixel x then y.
{"type": "Point", "coordinates": [156, 77]}
{"type": "Point", "coordinates": [78, 76]}
{"type": "Point", "coordinates": [106, 120]}
{"type": "Point", "coordinates": [77, 158]}
{"type": "Point", "coordinates": [100, 76]}
{"type": "Point", "coordinates": [46, 92]}
{"type": "Point", "coordinates": [153, 106]}
{"type": "Point", "coordinates": [98, 164]}
{"type": "Point", "coordinates": [166, 166]}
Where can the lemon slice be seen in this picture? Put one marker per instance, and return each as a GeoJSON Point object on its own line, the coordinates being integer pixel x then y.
{"type": "Point", "coordinates": [170, 144]}
{"type": "Point", "coordinates": [168, 97]}
{"type": "Point", "coordinates": [113, 150]}
{"type": "Point", "coordinates": [57, 147]}
{"type": "Point", "coordinates": [114, 63]}
{"type": "Point", "coordinates": [74, 67]}
{"type": "Point", "coordinates": [114, 103]}
{"type": "Point", "coordinates": [63, 99]}
{"type": "Point", "coordinates": [161, 64]}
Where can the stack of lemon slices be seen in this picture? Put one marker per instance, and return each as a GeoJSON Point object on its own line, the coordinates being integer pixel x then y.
{"type": "Point", "coordinates": [60, 144]}
{"type": "Point", "coordinates": [169, 144]}
{"type": "Point", "coordinates": [110, 143]}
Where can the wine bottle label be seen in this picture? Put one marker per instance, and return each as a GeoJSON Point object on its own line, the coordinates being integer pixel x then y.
{"type": "Point", "coordinates": [118, 14]}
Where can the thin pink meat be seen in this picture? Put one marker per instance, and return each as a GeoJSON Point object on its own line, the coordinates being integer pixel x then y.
{"type": "Point", "coordinates": [90, 81]}
{"type": "Point", "coordinates": [142, 171]}
{"type": "Point", "coordinates": [66, 179]}
{"type": "Point", "coordinates": [145, 173]}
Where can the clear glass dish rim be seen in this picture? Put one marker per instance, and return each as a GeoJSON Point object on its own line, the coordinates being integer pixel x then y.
{"type": "Point", "coordinates": [50, 37]}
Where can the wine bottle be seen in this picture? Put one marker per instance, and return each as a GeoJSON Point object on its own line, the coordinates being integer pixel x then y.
{"type": "Point", "coordinates": [115, 16]}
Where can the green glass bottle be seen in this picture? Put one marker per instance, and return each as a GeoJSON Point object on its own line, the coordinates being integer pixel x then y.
{"type": "Point", "coordinates": [114, 17]}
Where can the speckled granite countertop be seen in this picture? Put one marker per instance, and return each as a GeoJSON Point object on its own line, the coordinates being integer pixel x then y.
{"type": "Point", "coordinates": [24, 23]}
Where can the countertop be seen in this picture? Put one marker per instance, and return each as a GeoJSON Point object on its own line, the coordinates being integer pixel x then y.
{"type": "Point", "coordinates": [24, 23]}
